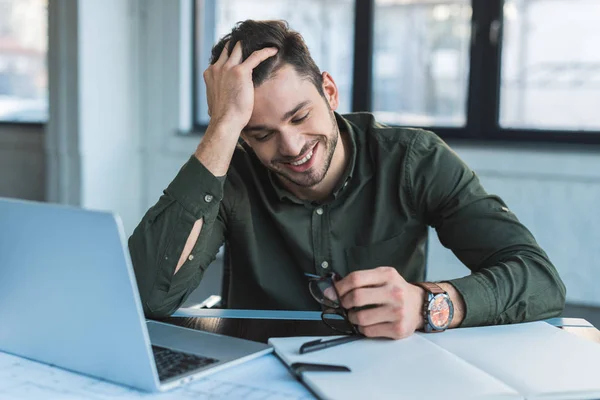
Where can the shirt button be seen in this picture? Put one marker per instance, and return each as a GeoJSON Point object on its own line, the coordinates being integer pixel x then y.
{"type": "Point", "coordinates": [208, 198]}
{"type": "Point", "coordinates": [320, 212]}
{"type": "Point", "coordinates": [504, 209]}
{"type": "Point", "coordinates": [325, 264]}
{"type": "Point", "coordinates": [191, 257]}
{"type": "Point", "coordinates": [346, 184]}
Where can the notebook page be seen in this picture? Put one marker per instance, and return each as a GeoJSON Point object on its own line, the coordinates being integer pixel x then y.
{"type": "Point", "coordinates": [537, 359]}
{"type": "Point", "coordinates": [411, 368]}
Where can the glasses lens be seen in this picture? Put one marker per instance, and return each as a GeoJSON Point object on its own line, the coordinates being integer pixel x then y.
{"type": "Point", "coordinates": [324, 292]}
{"type": "Point", "coordinates": [337, 322]}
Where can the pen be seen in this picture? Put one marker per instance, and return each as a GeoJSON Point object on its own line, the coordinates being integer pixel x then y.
{"type": "Point", "coordinates": [320, 344]}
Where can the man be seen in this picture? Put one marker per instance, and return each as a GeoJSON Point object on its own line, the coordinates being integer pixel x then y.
{"type": "Point", "coordinates": [311, 191]}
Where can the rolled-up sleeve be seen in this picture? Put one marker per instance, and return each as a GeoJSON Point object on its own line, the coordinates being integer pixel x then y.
{"type": "Point", "coordinates": [512, 279]}
{"type": "Point", "coordinates": [158, 241]}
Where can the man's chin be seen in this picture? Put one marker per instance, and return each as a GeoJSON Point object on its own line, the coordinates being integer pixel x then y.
{"type": "Point", "coordinates": [306, 182]}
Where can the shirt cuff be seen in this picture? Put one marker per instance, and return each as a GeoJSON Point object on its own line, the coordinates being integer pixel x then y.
{"type": "Point", "coordinates": [479, 298]}
{"type": "Point", "coordinates": [196, 188]}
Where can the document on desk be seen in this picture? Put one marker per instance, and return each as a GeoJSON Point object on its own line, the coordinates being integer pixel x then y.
{"type": "Point", "coordinates": [522, 361]}
{"type": "Point", "coordinates": [262, 378]}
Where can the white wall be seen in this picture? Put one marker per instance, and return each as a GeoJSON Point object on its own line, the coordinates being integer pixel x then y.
{"type": "Point", "coordinates": [93, 146]}
{"type": "Point", "coordinates": [22, 162]}
{"type": "Point", "coordinates": [165, 93]}
{"type": "Point", "coordinates": [108, 95]}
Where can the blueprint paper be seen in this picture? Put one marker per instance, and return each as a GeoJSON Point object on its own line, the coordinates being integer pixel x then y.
{"type": "Point", "coordinates": [262, 378]}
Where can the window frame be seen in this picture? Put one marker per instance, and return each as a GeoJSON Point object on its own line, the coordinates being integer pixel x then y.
{"type": "Point", "coordinates": [11, 123]}
{"type": "Point", "coordinates": [483, 98]}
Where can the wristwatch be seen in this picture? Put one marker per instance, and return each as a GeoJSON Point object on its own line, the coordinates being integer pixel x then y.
{"type": "Point", "coordinates": [437, 309]}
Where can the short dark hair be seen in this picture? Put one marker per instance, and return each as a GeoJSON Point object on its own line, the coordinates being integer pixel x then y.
{"type": "Point", "coordinates": [292, 50]}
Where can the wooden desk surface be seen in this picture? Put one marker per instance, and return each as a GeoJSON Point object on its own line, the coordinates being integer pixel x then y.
{"type": "Point", "coordinates": [261, 330]}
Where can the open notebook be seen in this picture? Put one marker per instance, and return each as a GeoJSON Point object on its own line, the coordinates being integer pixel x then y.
{"type": "Point", "coordinates": [523, 361]}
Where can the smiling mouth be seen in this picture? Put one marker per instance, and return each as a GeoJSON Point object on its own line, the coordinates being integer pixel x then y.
{"type": "Point", "coordinates": [304, 159]}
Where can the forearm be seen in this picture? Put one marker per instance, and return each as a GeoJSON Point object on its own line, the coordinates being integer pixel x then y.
{"type": "Point", "coordinates": [457, 302]}
{"type": "Point", "coordinates": [154, 248]}
{"type": "Point", "coordinates": [214, 152]}
{"type": "Point", "coordinates": [512, 278]}
{"type": "Point", "coordinates": [217, 146]}
{"type": "Point", "coordinates": [186, 254]}
{"type": "Point", "coordinates": [170, 239]}
{"type": "Point", "coordinates": [523, 287]}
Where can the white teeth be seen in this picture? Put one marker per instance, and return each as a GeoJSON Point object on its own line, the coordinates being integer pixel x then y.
{"type": "Point", "coordinates": [305, 159]}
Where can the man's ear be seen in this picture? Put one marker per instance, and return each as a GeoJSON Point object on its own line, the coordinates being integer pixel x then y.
{"type": "Point", "coordinates": [330, 91]}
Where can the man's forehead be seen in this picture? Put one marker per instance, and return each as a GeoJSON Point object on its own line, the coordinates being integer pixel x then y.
{"type": "Point", "coordinates": [283, 80]}
{"type": "Point", "coordinates": [279, 95]}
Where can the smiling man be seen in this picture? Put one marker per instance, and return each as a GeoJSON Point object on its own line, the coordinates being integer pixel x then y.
{"type": "Point", "coordinates": [308, 160]}
{"type": "Point", "coordinates": [309, 191]}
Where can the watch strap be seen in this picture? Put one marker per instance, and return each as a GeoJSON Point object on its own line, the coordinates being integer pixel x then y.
{"type": "Point", "coordinates": [431, 287]}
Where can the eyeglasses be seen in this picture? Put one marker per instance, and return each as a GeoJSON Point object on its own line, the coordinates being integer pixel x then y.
{"type": "Point", "coordinates": [335, 316]}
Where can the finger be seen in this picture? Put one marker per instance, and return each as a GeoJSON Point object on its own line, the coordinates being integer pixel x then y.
{"type": "Point", "coordinates": [208, 80]}
{"type": "Point", "coordinates": [370, 277]}
{"type": "Point", "coordinates": [224, 55]}
{"type": "Point", "coordinates": [373, 316]}
{"type": "Point", "coordinates": [235, 57]}
{"type": "Point", "coordinates": [392, 330]}
{"type": "Point", "coordinates": [365, 296]}
{"type": "Point", "coordinates": [330, 294]}
{"type": "Point", "coordinates": [259, 56]}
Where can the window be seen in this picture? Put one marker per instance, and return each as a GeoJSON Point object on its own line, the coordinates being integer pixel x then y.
{"type": "Point", "coordinates": [502, 70]}
{"type": "Point", "coordinates": [551, 65]}
{"type": "Point", "coordinates": [325, 25]}
{"type": "Point", "coordinates": [421, 62]}
{"type": "Point", "coordinates": [23, 72]}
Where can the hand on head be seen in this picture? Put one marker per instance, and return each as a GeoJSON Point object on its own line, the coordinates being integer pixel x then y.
{"type": "Point", "coordinates": [229, 86]}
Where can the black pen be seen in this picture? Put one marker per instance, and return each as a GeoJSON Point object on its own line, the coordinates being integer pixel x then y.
{"type": "Point", "coordinates": [320, 344]}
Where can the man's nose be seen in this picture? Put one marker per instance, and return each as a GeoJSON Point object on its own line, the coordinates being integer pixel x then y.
{"type": "Point", "coordinates": [290, 144]}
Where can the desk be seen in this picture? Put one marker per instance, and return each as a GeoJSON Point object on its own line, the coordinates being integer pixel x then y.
{"type": "Point", "coordinates": [261, 329]}
{"type": "Point", "coordinates": [589, 333]}
{"type": "Point", "coordinates": [40, 381]}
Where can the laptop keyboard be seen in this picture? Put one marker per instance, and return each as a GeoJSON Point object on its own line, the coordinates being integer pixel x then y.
{"type": "Point", "coordinates": [171, 363]}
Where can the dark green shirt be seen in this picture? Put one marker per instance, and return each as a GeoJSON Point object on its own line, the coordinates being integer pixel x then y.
{"type": "Point", "coordinates": [398, 182]}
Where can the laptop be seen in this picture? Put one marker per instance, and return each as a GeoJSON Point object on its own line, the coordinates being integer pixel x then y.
{"type": "Point", "coordinates": [69, 298]}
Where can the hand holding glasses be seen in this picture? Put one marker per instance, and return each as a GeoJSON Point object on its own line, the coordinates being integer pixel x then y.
{"type": "Point", "coordinates": [335, 316]}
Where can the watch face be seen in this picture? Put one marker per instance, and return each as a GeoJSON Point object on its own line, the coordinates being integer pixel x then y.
{"type": "Point", "coordinates": [440, 311]}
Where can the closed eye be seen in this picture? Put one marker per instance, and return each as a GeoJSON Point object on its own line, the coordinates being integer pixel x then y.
{"type": "Point", "coordinates": [263, 138]}
{"type": "Point", "coordinates": [299, 120]}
